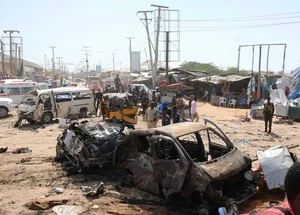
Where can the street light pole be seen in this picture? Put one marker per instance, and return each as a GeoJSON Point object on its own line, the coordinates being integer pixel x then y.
{"type": "Point", "coordinates": [10, 46]}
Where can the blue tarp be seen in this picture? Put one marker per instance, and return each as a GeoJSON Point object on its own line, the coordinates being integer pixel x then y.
{"type": "Point", "coordinates": [296, 84]}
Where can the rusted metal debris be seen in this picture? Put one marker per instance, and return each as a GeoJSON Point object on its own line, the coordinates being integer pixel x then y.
{"type": "Point", "coordinates": [162, 162]}
{"type": "Point", "coordinates": [87, 146]}
{"type": "Point", "coordinates": [194, 161]}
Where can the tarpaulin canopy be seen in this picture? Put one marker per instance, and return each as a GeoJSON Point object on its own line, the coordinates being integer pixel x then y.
{"type": "Point", "coordinates": [215, 79]}
{"type": "Point", "coordinates": [296, 84]}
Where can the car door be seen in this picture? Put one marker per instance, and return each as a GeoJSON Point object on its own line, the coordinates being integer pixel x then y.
{"type": "Point", "coordinates": [170, 166]}
{"type": "Point", "coordinates": [64, 104]}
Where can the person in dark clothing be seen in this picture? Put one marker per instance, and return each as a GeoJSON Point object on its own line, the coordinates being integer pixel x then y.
{"type": "Point", "coordinates": [268, 114]}
{"type": "Point", "coordinates": [176, 116]}
{"type": "Point", "coordinates": [98, 96]}
{"type": "Point", "coordinates": [190, 103]}
{"type": "Point", "coordinates": [118, 83]}
{"type": "Point", "coordinates": [165, 117]}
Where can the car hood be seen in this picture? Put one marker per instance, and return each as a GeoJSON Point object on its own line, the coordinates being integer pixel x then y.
{"type": "Point", "coordinates": [6, 100]}
{"type": "Point", "coordinates": [226, 166]}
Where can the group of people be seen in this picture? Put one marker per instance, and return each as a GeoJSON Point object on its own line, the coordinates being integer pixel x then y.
{"type": "Point", "coordinates": [151, 114]}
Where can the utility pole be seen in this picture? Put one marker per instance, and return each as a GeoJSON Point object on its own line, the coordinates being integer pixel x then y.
{"type": "Point", "coordinates": [146, 24]}
{"type": "Point", "coordinates": [167, 55]}
{"type": "Point", "coordinates": [268, 53]}
{"type": "Point", "coordinates": [259, 74]}
{"type": "Point", "coordinates": [157, 39]}
{"type": "Point", "coordinates": [45, 58]}
{"type": "Point", "coordinates": [130, 38]}
{"type": "Point", "coordinates": [239, 57]}
{"type": "Point", "coordinates": [16, 57]}
{"type": "Point", "coordinates": [53, 59]}
{"type": "Point", "coordinates": [87, 49]}
{"type": "Point", "coordinates": [10, 47]}
{"type": "Point", "coordinates": [59, 62]}
{"type": "Point", "coordinates": [113, 55]}
{"type": "Point", "coordinates": [2, 56]}
{"type": "Point", "coordinates": [20, 66]}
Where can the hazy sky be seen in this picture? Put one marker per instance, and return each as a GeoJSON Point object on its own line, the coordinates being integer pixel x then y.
{"type": "Point", "coordinates": [104, 25]}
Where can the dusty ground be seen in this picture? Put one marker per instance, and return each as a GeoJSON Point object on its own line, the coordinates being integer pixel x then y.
{"type": "Point", "coordinates": [21, 183]}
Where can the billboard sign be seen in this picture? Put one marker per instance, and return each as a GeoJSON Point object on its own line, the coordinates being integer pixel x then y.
{"type": "Point", "coordinates": [98, 68]}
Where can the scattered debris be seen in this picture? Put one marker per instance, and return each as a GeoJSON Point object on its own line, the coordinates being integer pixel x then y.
{"type": "Point", "coordinates": [44, 205]}
{"type": "Point", "coordinates": [2, 150]}
{"type": "Point", "coordinates": [21, 150]}
{"type": "Point", "coordinates": [275, 163]}
{"type": "Point", "coordinates": [94, 190]}
{"type": "Point", "coordinates": [95, 206]}
{"type": "Point", "coordinates": [245, 142]}
{"type": "Point", "coordinates": [23, 160]}
{"type": "Point", "coordinates": [69, 210]}
{"type": "Point", "coordinates": [59, 190]}
{"type": "Point", "coordinates": [87, 146]}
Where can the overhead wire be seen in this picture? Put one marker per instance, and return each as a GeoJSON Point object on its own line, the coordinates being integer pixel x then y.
{"type": "Point", "coordinates": [244, 18]}
{"type": "Point", "coordinates": [216, 28]}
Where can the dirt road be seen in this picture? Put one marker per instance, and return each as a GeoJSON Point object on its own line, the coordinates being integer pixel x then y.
{"type": "Point", "coordinates": [35, 179]}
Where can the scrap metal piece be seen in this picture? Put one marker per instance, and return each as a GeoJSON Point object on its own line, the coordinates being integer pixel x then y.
{"type": "Point", "coordinates": [93, 190]}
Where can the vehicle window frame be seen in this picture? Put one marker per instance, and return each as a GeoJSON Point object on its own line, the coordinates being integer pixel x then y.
{"type": "Point", "coordinates": [31, 88]}
{"type": "Point", "coordinates": [228, 144]}
{"type": "Point", "coordinates": [9, 93]}
{"type": "Point", "coordinates": [2, 90]}
{"type": "Point", "coordinates": [63, 100]}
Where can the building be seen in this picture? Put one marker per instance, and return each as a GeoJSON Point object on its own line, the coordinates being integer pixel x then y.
{"type": "Point", "coordinates": [30, 70]}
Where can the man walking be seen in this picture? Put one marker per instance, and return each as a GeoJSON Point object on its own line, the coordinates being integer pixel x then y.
{"type": "Point", "coordinates": [152, 116]}
{"type": "Point", "coordinates": [191, 98]}
{"type": "Point", "coordinates": [118, 83]}
{"type": "Point", "coordinates": [98, 96]}
{"type": "Point", "coordinates": [165, 120]}
{"type": "Point", "coordinates": [180, 106]}
{"type": "Point", "coordinates": [145, 104]}
{"type": "Point", "coordinates": [194, 114]}
{"type": "Point", "coordinates": [176, 117]}
{"type": "Point", "coordinates": [268, 114]}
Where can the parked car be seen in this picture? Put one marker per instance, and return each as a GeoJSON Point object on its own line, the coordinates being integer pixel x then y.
{"type": "Point", "coordinates": [6, 105]}
{"type": "Point", "coordinates": [194, 161]}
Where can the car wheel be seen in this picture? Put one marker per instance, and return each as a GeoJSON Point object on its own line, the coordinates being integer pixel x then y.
{"type": "Point", "coordinates": [3, 112]}
{"type": "Point", "coordinates": [203, 210]}
{"type": "Point", "coordinates": [83, 113]}
{"type": "Point", "coordinates": [47, 118]}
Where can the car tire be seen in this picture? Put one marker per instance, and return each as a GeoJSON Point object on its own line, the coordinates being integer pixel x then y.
{"type": "Point", "coordinates": [47, 118]}
{"type": "Point", "coordinates": [3, 112]}
{"type": "Point", "coordinates": [83, 113]}
{"type": "Point", "coordinates": [203, 210]}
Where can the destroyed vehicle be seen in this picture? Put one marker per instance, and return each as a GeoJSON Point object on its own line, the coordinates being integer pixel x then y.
{"type": "Point", "coordinates": [194, 161]}
{"type": "Point", "coordinates": [44, 105]}
{"type": "Point", "coordinates": [88, 146]}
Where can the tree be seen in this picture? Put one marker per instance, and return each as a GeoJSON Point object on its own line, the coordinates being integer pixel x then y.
{"type": "Point", "coordinates": [206, 67]}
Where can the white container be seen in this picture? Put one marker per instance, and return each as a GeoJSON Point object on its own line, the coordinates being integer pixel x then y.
{"type": "Point", "coordinates": [62, 122]}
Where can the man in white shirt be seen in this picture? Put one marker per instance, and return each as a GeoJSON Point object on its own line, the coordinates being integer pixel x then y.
{"type": "Point", "coordinates": [194, 114]}
{"type": "Point", "coordinates": [152, 116]}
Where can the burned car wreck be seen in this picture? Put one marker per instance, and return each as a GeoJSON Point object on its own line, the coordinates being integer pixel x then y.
{"type": "Point", "coordinates": [89, 146]}
{"type": "Point", "coordinates": [194, 161]}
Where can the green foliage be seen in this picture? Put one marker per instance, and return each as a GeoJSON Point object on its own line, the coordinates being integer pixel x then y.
{"type": "Point", "coordinates": [211, 68]}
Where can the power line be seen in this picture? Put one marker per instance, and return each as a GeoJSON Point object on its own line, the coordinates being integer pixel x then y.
{"type": "Point", "coordinates": [243, 17]}
{"type": "Point", "coordinates": [243, 20]}
{"type": "Point", "coordinates": [216, 28]}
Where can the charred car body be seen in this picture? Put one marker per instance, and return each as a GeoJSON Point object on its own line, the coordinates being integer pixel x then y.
{"type": "Point", "coordinates": [194, 161]}
{"type": "Point", "coordinates": [87, 146]}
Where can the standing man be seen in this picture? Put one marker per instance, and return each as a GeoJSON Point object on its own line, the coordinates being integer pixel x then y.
{"type": "Point", "coordinates": [152, 116]}
{"type": "Point", "coordinates": [98, 96]}
{"type": "Point", "coordinates": [118, 83]}
{"type": "Point", "coordinates": [268, 114]}
{"type": "Point", "coordinates": [145, 104]}
{"type": "Point", "coordinates": [190, 103]}
{"type": "Point", "coordinates": [180, 106]}
{"type": "Point", "coordinates": [176, 117]}
{"type": "Point", "coordinates": [165, 120]}
{"type": "Point", "coordinates": [194, 114]}
{"type": "Point", "coordinates": [104, 106]}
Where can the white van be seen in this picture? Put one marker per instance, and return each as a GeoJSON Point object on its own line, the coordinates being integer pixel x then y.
{"type": "Point", "coordinates": [44, 105]}
{"type": "Point", "coordinates": [16, 89]}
